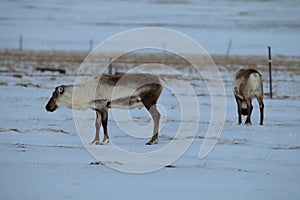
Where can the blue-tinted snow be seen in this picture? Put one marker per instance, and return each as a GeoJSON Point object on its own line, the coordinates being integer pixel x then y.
{"type": "Point", "coordinates": [252, 25]}
{"type": "Point", "coordinates": [41, 156]}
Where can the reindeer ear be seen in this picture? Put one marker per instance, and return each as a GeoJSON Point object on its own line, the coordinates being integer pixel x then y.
{"type": "Point", "coordinates": [60, 89]}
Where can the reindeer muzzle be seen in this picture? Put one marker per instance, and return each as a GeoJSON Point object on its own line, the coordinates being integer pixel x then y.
{"type": "Point", "coordinates": [51, 106]}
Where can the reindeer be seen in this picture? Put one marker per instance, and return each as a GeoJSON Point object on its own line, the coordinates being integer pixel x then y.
{"type": "Point", "coordinates": [124, 91]}
{"type": "Point", "coordinates": [248, 85]}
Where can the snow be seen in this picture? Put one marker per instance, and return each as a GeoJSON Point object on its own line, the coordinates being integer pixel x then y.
{"type": "Point", "coordinates": [42, 157]}
{"type": "Point", "coordinates": [252, 25]}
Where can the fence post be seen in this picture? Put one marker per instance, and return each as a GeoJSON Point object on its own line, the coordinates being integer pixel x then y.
{"type": "Point", "coordinates": [270, 72]}
{"type": "Point", "coordinates": [110, 67]}
{"type": "Point", "coordinates": [229, 47]}
{"type": "Point", "coordinates": [21, 42]}
{"type": "Point", "coordinates": [91, 45]}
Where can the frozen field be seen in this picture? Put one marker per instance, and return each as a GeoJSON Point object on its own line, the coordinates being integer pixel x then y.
{"type": "Point", "coordinates": [42, 157]}
{"type": "Point", "coordinates": [252, 25]}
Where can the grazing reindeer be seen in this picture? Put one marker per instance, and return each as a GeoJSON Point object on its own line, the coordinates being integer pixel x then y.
{"type": "Point", "coordinates": [247, 84]}
{"type": "Point", "coordinates": [124, 91]}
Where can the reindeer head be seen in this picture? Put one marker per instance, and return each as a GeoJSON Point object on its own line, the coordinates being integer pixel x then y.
{"type": "Point", "coordinates": [52, 104]}
{"type": "Point", "coordinates": [63, 96]}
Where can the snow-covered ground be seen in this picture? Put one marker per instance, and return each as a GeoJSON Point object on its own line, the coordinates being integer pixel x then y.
{"type": "Point", "coordinates": [42, 157]}
{"type": "Point", "coordinates": [252, 25]}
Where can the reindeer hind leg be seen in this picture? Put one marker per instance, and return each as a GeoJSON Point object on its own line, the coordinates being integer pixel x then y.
{"type": "Point", "coordinates": [149, 100]}
{"type": "Point", "coordinates": [156, 117]}
{"type": "Point", "coordinates": [249, 111]}
{"type": "Point", "coordinates": [151, 107]}
{"type": "Point", "coordinates": [239, 106]}
{"type": "Point", "coordinates": [261, 108]}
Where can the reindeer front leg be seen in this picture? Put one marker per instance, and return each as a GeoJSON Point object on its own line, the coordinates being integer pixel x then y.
{"type": "Point", "coordinates": [97, 125]}
{"type": "Point", "coordinates": [104, 117]}
{"type": "Point", "coordinates": [101, 107]}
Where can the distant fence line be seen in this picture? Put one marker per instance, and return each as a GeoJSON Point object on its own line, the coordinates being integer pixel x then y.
{"type": "Point", "coordinates": [79, 56]}
{"type": "Point", "coordinates": [90, 43]}
{"type": "Point", "coordinates": [63, 60]}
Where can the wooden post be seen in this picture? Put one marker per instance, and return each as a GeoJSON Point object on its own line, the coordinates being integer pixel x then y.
{"type": "Point", "coordinates": [110, 67]}
{"type": "Point", "coordinates": [270, 72]}
{"type": "Point", "coordinates": [229, 47]}
{"type": "Point", "coordinates": [21, 42]}
{"type": "Point", "coordinates": [228, 51]}
{"type": "Point", "coordinates": [91, 45]}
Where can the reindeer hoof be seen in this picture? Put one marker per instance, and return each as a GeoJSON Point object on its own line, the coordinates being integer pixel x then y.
{"type": "Point", "coordinates": [151, 142]}
{"type": "Point", "coordinates": [105, 141]}
{"type": "Point", "coordinates": [248, 123]}
{"type": "Point", "coordinates": [96, 142]}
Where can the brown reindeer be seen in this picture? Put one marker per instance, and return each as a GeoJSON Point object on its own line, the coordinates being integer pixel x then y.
{"type": "Point", "coordinates": [124, 91]}
{"type": "Point", "coordinates": [247, 85]}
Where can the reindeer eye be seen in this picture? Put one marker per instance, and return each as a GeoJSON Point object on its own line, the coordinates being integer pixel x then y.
{"type": "Point", "coordinates": [60, 89]}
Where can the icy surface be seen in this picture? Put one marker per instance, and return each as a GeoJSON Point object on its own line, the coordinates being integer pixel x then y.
{"type": "Point", "coordinates": [251, 25]}
{"type": "Point", "coordinates": [41, 156]}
